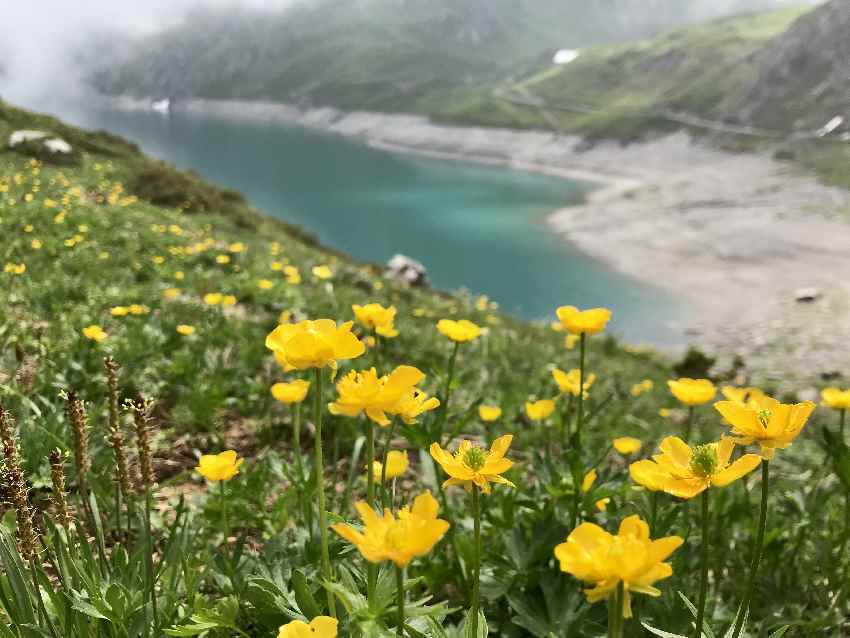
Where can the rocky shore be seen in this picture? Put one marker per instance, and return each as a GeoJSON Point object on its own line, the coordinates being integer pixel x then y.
{"type": "Point", "coordinates": [737, 235]}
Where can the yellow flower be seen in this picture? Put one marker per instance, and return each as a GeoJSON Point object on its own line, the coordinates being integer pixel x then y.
{"type": "Point", "coordinates": [277, 266]}
{"type": "Point", "coordinates": [222, 259]}
{"type": "Point", "coordinates": [568, 381]}
{"type": "Point", "coordinates": [627, 445]}
{"type": "Point", "coordinates": [265, 284]}
{"type": "Point", "coordinates": [322, 272]}
{"type": "Point", "coordinates": [173, 293]}
{"type": "Point", "coordinates": [94, 332]}
{"type": "Point", "coordinates": [314, 344]}
{"type": "Point", "coordinates": [158, 259]}
{"type": "Point", "coordinates": [588, 481]}
{"type": "Point", "coordinates": [292, 392]}
{"type": "Point", "coordinates": [570, 341]}
{"type": "Point", "coordinates": [213, 298]}
{"type": "Point", "coordinates": [836, 398]}
{"type": "Point", "coordinates": [237, 247]}
{"type": "Point", "coordinates": [741, 395]}
{"type": "Point", "coordinates": [489, 412]}
{"type": "Point", "coordinates": [459, 331]}
{"type": "Point", "coordinates": [481, 303]}
{"type": "Point", "coordinates": [185, 330]}
{"type": "Point", "coordinates": [28, 228]}
{"type": "Point", "coordinates": [397, 464]}
{"type": "Point", "coordinates": [179, 275]}
{"type": "Point", "coordinates": [639, 388]}
{"type": "Point", "coordinates": [579, 322]}
{"type": "Point", "coordinates": [602, 503]}
{"type": "Point", "coordinates": [472, 465]}
{"type": "Point", "coordinates": [414, 533]}
{"type": "Point", "coordinates": [388, 331]}
{"type": "Point", "coordinates": [596, 557]}
{"type": "Point", "coordinates": [228, 300]}
{"type": "Point", "coordinates": [285, 316]}
{"type": "Point", "coordinates": [373, 315]}
{"type": "Point", "coordinates": [119, 311]}
{"type": "Point", "coordinates": [685, 472]}
{"type": "Point", "coordinates": [15, 269]}
{"type": "Point", "coordinates": [664, 413]}
{"type": "Point", "coordinates": [219, 467]}
{"type": "Point", "coordinates": [366, 392]}
{"type": "Point", "coordinates": [319, 627]}
{"type": "Point", "coordinates": [138, 309]}
{"type": "Point", "coordinates": [36, 244]}
{"type": "Point", "coordinates": [414, 403]}
{"type": "Point", "coordinates": [773, 425]}
{"type": "Point", "coordinates": [292, 275]}
{"type": "Point", "coordinates": [692, 392]}
{"type": "Point", "coordinates": [540, 410]}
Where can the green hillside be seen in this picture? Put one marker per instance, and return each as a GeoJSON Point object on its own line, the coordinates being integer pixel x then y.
{"type": "Point", "coordinates": [112, 254]}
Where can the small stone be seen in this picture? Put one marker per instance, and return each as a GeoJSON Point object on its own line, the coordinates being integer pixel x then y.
{"type": "Point", "coordinates": [807, 295]}
{"type": "Point", "coordinates": [406, 269]}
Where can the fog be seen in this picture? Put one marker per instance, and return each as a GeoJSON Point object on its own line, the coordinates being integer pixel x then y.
{"type": "Point", "coordinates": [39, 39]}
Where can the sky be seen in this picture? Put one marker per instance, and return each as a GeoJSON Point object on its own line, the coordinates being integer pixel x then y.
{"type": "Point", "coordinates": [37, 36]}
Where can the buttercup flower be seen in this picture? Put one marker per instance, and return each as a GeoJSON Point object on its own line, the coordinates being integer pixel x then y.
{"type": "Point", "coordinates": [539, 410]}
{"type": "Point", "coordinates": [413, 403]}
{"type": "Point", "coordinates": [836, 398]}
{"type": "Point", "coordinates": [602, 503]}
{"type": "Point", "coordinates": [773, 425]}
{"type": "Point", "coordinates": [292, 392]}
{"type": "Point", "coordinates": [376, 396]}
{"type": "Point", "coordinates": [489, 412]}
{"type": "Point", "coordinates": [599, 558]}
{"type": "Point", "coordinates": [213, 298]}
{"type": "Point", "coordinates": [172, 293]}
{"type": "Point", "coordinates": [322, 272]}
{"type": "Point", "coordinates": [639, 388]}
{"type": "Point", "coordinates": [219, 467]}
{"type": "Point", "coordinates": [568, 381]}
{"type": "Point", "coordinates": [397, 464]}
{"type": "Point", "coordinates": [228, 300]}
{"type": "Point", "coordinates": [95, 333]}
{"type": "Point", "coordinates": [314, 344]}
{"type": "Point", "coordinates": [319, 627]}
{"type": "Point", "coordinates": [685, 472]}
{"type": "Point", "coordinates": [588, 481]}
{"type": "Point", "coordinates": [414, 533]}
{"type": "Point", "coordinates": [692, 392]}
{"type": "Point", "coordinates": [186, 330]}
{"type": "Point", "coordinates": [627, 445]}
{"type": "Point", "coordinates": [579, 322]}
{"type": "Point", "coordinates": [265, 284]}
{"type": "Point", "coordinates": [374, 315]}
{"type": "Point", "coordinates": [459, 331]}
{"type": "Point", "coordinates": [119, 311]}
{"type": "Point", "coordinates": [472, 465]}
{"type": "Point", "coordinates": [570, 341]}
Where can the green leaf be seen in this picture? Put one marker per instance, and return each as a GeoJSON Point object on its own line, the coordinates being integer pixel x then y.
{"type": "Point", "coordinates": [303, 596]}
{"type": "Point", "coordinates": [780, 632]}
{"type": "Point", "coordinates": [661, 632]}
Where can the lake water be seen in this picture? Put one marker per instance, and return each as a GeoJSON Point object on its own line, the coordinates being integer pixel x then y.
{"type": "Point", "coordinates": [473, 226]}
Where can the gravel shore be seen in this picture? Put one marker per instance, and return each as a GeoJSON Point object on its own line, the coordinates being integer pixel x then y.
{"type": "Point", "coordinates": [736, 235]}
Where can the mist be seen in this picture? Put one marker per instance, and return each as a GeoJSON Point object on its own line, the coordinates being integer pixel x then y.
{"type": "Point", "coordinates": [40, 41]}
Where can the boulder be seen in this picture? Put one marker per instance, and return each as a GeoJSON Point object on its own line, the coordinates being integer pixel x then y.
{"type": "Point", "coordinates": [42, 145]}
{"type": "Point", "coordinates": [403, 268]}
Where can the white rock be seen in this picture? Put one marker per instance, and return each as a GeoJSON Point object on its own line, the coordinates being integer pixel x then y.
{"type": "Point", "coordinates": [407, 269]}
{"type": "Point", "coordinates": [58, 145]}
{"type": "Point", "coordinates": [24, 135]}
{"type": "Point", "coordinates": [806, 295]}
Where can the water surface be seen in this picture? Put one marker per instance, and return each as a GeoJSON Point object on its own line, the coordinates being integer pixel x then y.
{"type": "Point", "coordinates": [473, 226]}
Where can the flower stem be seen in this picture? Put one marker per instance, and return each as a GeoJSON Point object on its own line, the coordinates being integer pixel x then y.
{"type": "Point", "coordinates": [691, 414]}
{"type": "Point", "coordinates": [476, 565]}
{"type": "Point", "coordinates": [296, 440]}
{"type": "Point", "coordinates": [616, 621]}
{"type": "Point", "coordinates": [842, 419]}
{"type": "Point", "coordinates": [653, 512]}
{"type": "Point", "coordinates": [580, 406]}
{"type": "Point", "coordinates": [703, 581]}
{"type": "Point", "coordinates": [372, 568]}
{"type": "Point", "coordinates": [149, 564]}
{"type": "Point", "coordinates": [399, 581]}
{"type": "Point", "coordinates": [225, 520]}
{"type": "Point", "coordinates": [751, 581]}
{"type": "Point", "coordinates": [320, 488]}
{"type": "Point", "coordinates": [385, 492]}
{"type": "Point", "coordinates": [447, 393]}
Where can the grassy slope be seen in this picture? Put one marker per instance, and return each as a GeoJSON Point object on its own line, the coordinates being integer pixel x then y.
{"type": "Point", "coordinates": [694, 70]}
{"type": "Point", "coordinates": [212, 387]}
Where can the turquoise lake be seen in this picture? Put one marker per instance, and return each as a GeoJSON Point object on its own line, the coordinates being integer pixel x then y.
{"type": "Point", "coordinates": [473, 226]}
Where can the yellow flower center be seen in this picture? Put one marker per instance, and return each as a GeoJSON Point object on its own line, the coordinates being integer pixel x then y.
{"type": "Point", "coordinates": [475, 458]}
{"type": "Point", "coordinates": [704, 460]}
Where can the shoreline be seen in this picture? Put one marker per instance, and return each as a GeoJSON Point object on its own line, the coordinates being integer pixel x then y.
{"type": "Point", "coordinates": [733, 235]}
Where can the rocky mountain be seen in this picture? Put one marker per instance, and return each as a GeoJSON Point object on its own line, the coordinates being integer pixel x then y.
{"type": "Point", "coordinates": [378, 54]}
{"type": "Point", "coordinates": [802, 77]}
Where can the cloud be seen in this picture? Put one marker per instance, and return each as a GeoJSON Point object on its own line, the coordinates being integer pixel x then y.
{"type": "Point", "coordinates": [39, 38]}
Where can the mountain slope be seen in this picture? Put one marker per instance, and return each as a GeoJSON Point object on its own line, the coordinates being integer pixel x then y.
{"type": "Point", "coordinates": [379, 54]}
